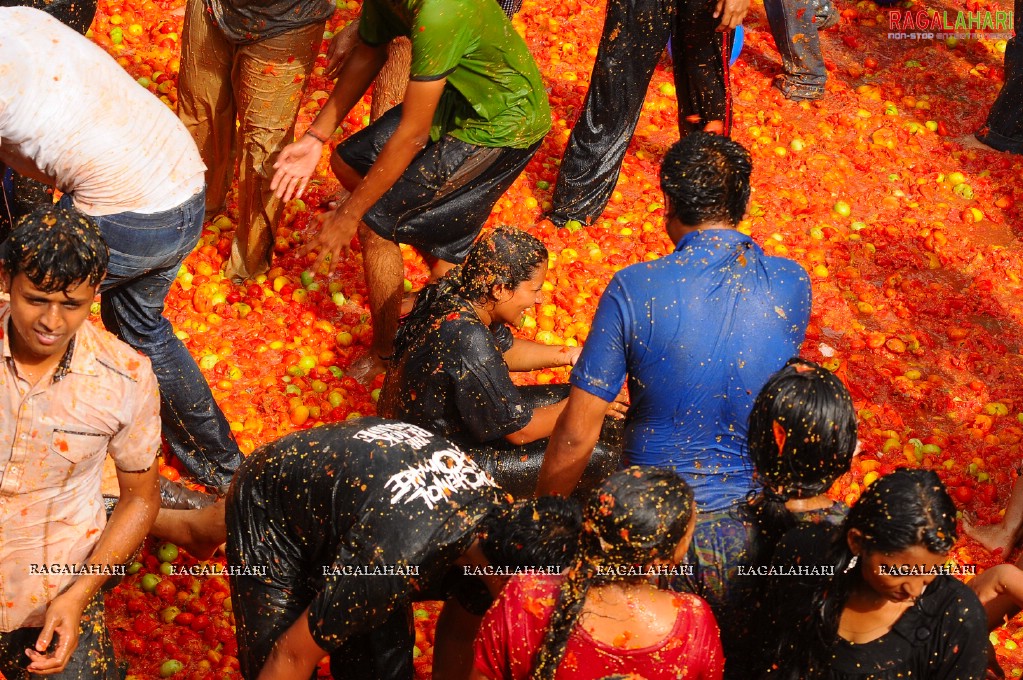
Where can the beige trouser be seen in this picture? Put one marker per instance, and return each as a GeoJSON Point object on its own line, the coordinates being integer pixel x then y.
{"type": "Point", "coordinates": [259, 85]}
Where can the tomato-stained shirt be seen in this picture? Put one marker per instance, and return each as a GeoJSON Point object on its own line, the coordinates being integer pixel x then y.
{"type": "Point", "coordinates": [494, 95]}
{"type": "Point", "coordinates": [101, 399]}
{"type": "Point", "coordinates": [698, 333]}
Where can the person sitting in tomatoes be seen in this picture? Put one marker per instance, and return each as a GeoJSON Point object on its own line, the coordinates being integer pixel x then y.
{"type": "Point", "coordinates": [454, 353]}
{"type": "Point", "coordinates": [604, 615]}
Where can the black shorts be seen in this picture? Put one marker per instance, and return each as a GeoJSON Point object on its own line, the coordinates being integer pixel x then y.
{"type": "Point", "coordinates": [443, 199]}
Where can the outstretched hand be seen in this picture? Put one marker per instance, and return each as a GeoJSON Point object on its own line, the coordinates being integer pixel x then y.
{"type": "Point", "coordinates": [295, 165]}
{"type": "Point", "coordinates": [333, 238]}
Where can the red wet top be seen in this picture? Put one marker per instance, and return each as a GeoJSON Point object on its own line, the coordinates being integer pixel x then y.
{"type": "Point", "coordinates": [514, 628]}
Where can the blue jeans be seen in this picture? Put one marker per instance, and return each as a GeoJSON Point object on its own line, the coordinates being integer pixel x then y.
{"type": "Point", "coordinates": [794, 25]}
{"type": "Point", "coordinates": [146, 252]}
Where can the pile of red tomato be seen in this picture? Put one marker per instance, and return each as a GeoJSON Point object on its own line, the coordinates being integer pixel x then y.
{"type": "Point", "coordinates": [909, 238]}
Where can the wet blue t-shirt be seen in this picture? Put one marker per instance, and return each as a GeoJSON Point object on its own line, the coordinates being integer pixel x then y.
{"type": "Point", "coordinates": [698, 333]}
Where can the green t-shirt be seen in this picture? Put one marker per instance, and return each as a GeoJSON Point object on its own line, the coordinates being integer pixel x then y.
{"type": "Point", "coordinates": [494, 96]}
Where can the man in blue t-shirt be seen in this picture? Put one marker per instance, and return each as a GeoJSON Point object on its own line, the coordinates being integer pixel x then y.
{"type": "Point", "coordinates": [697, 333]}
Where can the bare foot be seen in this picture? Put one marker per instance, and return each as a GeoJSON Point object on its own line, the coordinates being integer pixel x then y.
{"type": "Point", "coordinates": [970, 141]}
{"type": "Point", "coordinates": [367, 367]}
{"type": "Point", "coordinates": [994, 537]}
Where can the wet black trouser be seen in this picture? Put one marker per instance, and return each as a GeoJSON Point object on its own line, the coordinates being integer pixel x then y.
{"type": "Point", "coordinates": [634, 37]}
{"type": "Point", "coordinates": [516, 468]}
{"type": "Point", "coordinates": [1004, 128]}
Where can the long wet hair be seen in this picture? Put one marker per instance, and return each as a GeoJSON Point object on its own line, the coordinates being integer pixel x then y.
{"type": "Point", "coordinates": [56, 249]}
{"type": "Point", "coordinates": [909, 507]}
{"type": "Point", "coordinates": [505, 257]}
{"type": "Point", "coordinates": [815, 418]}
{"type": "Point", "coordinates": [706, 178]}
{"type": "Point", "coordinates": [636, 516]}
{"type": "Point", "coordinates": [534, 532]}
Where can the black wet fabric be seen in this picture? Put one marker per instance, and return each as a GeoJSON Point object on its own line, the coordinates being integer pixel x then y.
{"type": "Point", "coordinates": [453, 380]}
{"type": "Point", "coordinates": [1004, 128]}
{"type": "Point", "coordinates": [92, 659]}
{"type": "Point", "coordinates": [633, 40]}
{"type": "Point", "coordinates": [441, 201]}
{"type": "Point", "coordinates": [943, 636]}
{"type": "Point", "coordinates": [78, 14]}
{"type": "Point", "coordinates": [517, 468]}
{"type": "Point", "coordinates": [370, 493]}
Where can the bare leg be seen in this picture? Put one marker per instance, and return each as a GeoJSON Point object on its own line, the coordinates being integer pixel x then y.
{"type": "Point", "coordinates": [384, 278]}
{"type": "Point", "coordinates": [452, 649]}
{"type": "Point", "coordinates": [389, 87]}
{"type": "Point", "coordinates": [1005, 535]}
{"type": "Point", "coordinates": [200, 532]}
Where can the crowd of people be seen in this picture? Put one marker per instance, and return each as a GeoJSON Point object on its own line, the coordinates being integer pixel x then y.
{"type": "Point", "coordinates": [666, 514]}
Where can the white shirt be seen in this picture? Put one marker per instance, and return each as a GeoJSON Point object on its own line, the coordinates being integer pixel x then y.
{"type": "Point", "coordinates": [69, 111]}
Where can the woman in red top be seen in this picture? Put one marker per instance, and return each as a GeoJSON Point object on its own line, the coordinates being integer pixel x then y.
{"type": "Point", "coordinates": [605, 616]}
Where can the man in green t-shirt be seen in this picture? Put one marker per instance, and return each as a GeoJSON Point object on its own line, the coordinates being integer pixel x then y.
{"type": "Point", "coordinates": [429, 171]}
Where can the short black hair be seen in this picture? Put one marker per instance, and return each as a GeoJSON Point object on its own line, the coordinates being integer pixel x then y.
{"type": "Point", "coordinates": [706, 178]}
{"type": "Point", "coordinates": [538, 532]}
{"type": "Point", "coordinates": [56, 249]}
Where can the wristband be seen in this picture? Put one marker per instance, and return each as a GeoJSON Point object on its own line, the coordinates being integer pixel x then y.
{"type": "Point", "coordinates": [315, 136]}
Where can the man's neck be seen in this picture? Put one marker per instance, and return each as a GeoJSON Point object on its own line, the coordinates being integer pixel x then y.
{"type": "Point", "coordinates": [678, 231]}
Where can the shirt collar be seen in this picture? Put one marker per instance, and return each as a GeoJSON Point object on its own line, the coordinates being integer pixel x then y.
{"type": "Point", "coordinates": [79, 357]}
{"type": "Point", "coordinates": [709, 237]}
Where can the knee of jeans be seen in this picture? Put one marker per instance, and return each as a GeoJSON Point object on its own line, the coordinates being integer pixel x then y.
{"type": "Point", "coordinates": [140, 328]}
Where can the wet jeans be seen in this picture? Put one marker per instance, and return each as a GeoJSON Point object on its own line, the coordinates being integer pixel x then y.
{"type": "Point", "coordinates": [635, 34]}
{"type": "Point", "coordinates": [259, 85]}
{"type": "Point", "coordinates": [1004, 128]}
{"type": "Point", "coordinates": [794, 25]}
{"type": "Point", "coordinates": [146, 252]}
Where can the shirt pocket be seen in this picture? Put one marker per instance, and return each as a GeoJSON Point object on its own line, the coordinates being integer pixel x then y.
{"type": "Point", "coordinates": [76, 446]}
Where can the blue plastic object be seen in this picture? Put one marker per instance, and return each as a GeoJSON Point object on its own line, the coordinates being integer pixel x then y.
{"type": "Point", "coordinates": [740, 35]}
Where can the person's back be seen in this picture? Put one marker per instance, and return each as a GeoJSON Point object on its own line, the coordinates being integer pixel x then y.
{"type": "Point", "coordinates": [699, 331]}
{"type": "Point", "coordinates": [84, 122]}
{"type": "Point", "coordinates": [706, 327]}
{"type": "Point", "coordinates": [495, 95]}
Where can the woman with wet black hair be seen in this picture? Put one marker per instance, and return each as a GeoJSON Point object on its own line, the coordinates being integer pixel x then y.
{"type": "Point", "coordinates": [886, 610]}
{"type": "Point", "coordinates": [605, 616]}
{"type": "Point", "coordinates": [802, 437]}
{"type": "Point", "coordinates": [454, 352]}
